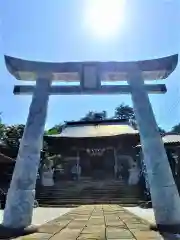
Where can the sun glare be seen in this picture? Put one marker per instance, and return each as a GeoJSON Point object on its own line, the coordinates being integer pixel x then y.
{"type": "Point", "coordinates": [104, 18]}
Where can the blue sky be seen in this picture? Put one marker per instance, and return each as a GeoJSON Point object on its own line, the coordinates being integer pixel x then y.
{"type": "Point", "coordinates": [52, 30]}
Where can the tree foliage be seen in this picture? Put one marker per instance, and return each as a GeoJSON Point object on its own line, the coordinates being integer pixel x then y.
{"type": "Point", "coordinates": [12, 135]}
{"type": "Point", "coordinates": [2, 130]}
{"type": "Point", "coordinates": [55, 130]}
{"type": "Point", "coordinates": [2, 127]}
{"type": "Point", "coordinates": [94, 116]}
{"type": "Point", "coordinates": [124, 112]}
{"type": "Point", "coordinates": [176, 129]}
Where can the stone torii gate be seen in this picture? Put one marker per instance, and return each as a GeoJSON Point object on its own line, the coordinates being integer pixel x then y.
{"type": "Point", "coordinates": [91, 75]}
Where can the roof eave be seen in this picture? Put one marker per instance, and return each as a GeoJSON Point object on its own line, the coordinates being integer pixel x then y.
{"type": "Point", "coordinates": [88, 137]}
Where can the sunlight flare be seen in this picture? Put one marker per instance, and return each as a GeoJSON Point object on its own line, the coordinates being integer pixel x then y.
{"type": "Point", "coordinates": [104, 18]}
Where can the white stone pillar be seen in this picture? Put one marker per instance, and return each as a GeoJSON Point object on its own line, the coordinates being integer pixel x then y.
{"type": "Point", "coordinates": [21, 194]}
{"type": "Point", "coordinates": [165, 197]}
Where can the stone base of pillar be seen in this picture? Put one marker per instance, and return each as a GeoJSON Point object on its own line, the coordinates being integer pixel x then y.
{"type": "Point", "coordinates": [9, 233]}
{"type": "Point", "coordinates": [166, 228]}
{"type": "Point", "coordinates": [19, 208]}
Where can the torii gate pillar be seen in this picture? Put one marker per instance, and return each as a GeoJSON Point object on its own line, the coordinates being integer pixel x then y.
{"type": "Point", "coordinates": [164, 193]}
{"type": "Point", "coordinates": [21, 195]}
{"type": "Point", "coordinates": [165, 197]}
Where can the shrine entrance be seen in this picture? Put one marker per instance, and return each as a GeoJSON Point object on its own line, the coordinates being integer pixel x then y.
{"type": "Point", "coordinates": [97, 163]}
{"type": "Point", "coordinates": [91, 77]}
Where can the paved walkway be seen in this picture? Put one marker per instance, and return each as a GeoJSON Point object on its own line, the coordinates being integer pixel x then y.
{"type": "Point", "coordinates": [95, 222]}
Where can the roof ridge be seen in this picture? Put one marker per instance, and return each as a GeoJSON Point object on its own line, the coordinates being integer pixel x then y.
{"type": "Point", "coordinates": [97, 122]}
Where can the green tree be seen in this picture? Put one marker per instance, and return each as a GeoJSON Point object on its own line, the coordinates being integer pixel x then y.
{"type": "Point", "coordinates": [55, 130]}
{"type": "Point", "coordinates": [2, 128]}
{"type": "Point", "coordinates": [94, 116]}
{"type": "Point", "coordinates": [124, 112]}
{"type": "Point", "coordinates": [176, 129]}
{"type": "Point", "coordinates": [12, 135]}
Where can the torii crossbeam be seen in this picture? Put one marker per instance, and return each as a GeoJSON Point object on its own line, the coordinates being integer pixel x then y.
{"type": "Point", "coordinates": [90, 77]}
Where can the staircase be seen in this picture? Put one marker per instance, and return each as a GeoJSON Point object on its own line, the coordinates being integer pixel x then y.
{"type": "Point", "coordinates": [88, 192]}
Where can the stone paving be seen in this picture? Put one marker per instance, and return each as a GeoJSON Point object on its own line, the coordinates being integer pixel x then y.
{"type": "Point", "coordinates": [95, 222]}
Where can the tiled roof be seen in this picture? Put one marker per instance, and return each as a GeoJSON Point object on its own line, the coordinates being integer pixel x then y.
{"type": "Point", "coordinates": [171, 138]}
{"type": "Point", "coordinates": [103, 130]}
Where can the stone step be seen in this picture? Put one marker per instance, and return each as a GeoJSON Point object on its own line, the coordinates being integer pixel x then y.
{"type": "Point", "coordinates": [88, 196]}
{"type": "Point", "coordinates": [89, 192]}
{"type": "Point", "coordinates": [59, 194]}
{"type": "Point", "coordinates": [122, 188]}
{"type": "Point", "coordinates": [89, 201]}
{"type": "Point", "coordinates": [71, 205]}
{"type": "Point", "coordinates": [84, 192]}
{"type": "Point", "coordinates": [88, 183]}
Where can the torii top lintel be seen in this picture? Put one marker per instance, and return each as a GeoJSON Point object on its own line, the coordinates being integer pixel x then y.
{"type": "Point", "coordinates": [153, 69]}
